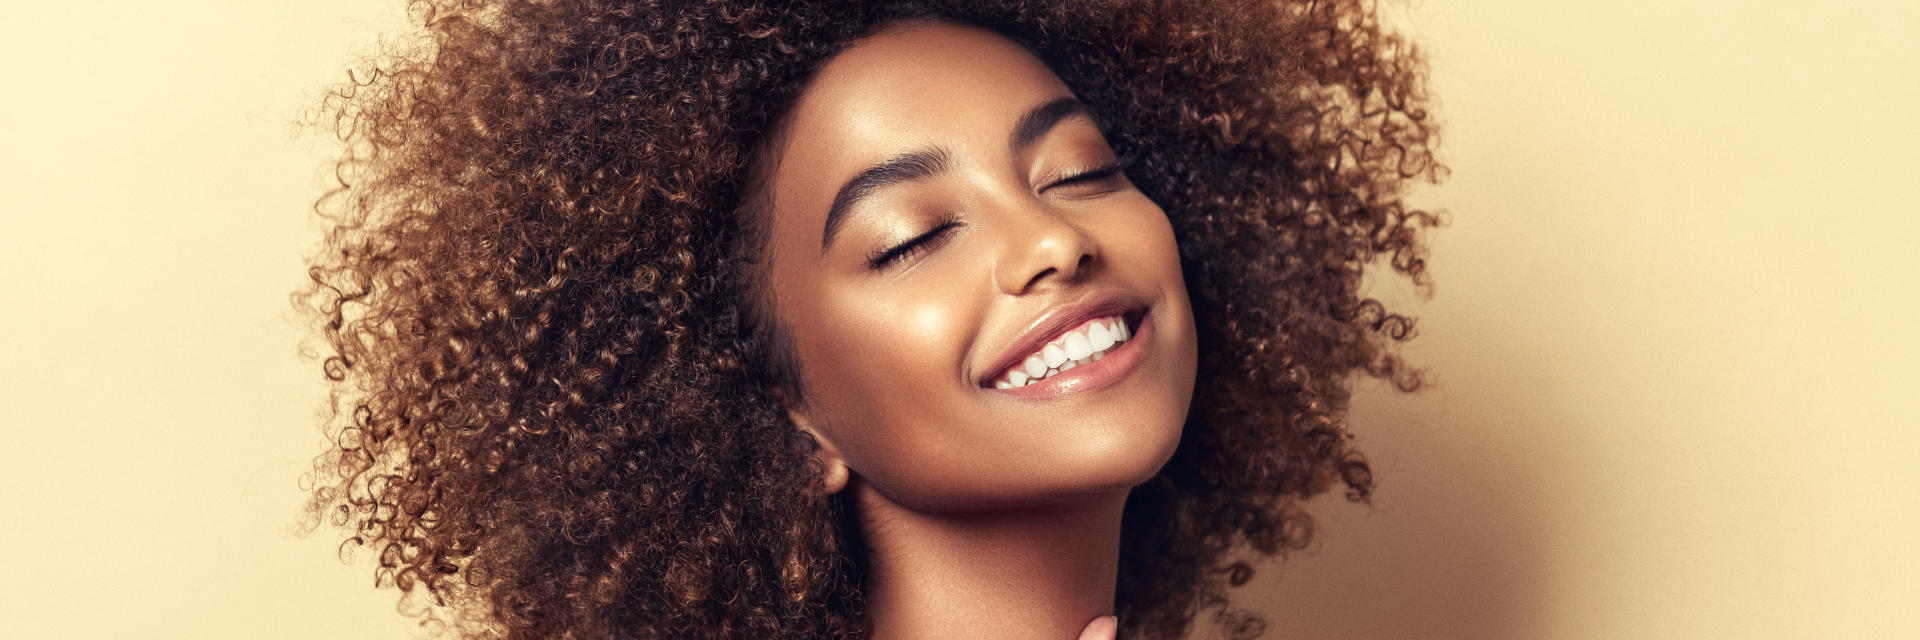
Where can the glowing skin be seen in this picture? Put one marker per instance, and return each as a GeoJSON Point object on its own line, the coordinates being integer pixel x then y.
{"type": "Point", "coordinates": [993, 511]}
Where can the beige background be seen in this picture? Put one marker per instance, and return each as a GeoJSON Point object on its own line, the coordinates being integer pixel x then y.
{"type": "Point", "coordinates": [1674, 334]}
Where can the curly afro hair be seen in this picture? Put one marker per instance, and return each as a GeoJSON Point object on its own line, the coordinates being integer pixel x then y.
{"type": "Point", "coordinates": [554, 409]}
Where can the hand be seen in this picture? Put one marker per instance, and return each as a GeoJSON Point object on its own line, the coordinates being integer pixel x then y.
{"type": "Point", "coordinates": [1102, 628]}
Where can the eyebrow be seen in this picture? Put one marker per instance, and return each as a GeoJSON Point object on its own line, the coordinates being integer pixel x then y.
{"type": "Point", "coordinates": [1039, 120]}
{"type": "Point", "coordinates": [924, 163]}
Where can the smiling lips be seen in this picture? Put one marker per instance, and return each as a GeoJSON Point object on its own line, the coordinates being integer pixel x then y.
{"type": "Point", "coordinates": [1083, 344]}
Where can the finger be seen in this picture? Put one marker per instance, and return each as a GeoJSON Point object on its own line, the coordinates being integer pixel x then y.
{"type": "Point", "coordinates": [1102, 628]}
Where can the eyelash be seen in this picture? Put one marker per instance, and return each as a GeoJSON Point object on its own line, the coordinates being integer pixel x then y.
{"type": "Point", "coordinates": [1097, 174]}
{"type": "Point", "coordinates": [886, 257]}
{"type": "Point", "coordinates": [898, 253]}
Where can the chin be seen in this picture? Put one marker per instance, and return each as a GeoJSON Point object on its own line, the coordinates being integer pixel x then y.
{"type": "Point", "coordinates": [1120, 452]}
{"type": "Point", "coordinates": [1128, 463]}
{"type": "Point", "coordinates": [1095, 467]}
{"type": "Point", "coordinates": [1106, 463]}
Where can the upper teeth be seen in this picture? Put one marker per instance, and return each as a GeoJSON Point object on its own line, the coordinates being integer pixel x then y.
{"type": "Point", "coordinates": [1083, 344]}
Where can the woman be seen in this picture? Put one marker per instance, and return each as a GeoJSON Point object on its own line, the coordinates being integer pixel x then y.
{"type": "Point", "coordinates": [891, 320]}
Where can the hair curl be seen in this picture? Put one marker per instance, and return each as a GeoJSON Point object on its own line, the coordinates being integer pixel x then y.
{"type": "Point", "coordinates": [552, 410]}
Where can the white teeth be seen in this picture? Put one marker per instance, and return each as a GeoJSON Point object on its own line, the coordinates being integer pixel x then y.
{"type": "Point", "coordinates": [1077, 346]}
{"type": "Point", "coordinates": [1053, 355]}
{"type": "Point", "coordinates": [1099, 336]}
{"type": "Point", "coordinates": [1084, 345]}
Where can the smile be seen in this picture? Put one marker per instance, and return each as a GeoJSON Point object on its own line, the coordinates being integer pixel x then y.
{"type": "Point", "coordinates": [1100, 366]}
{"type": "Point", "coordinates": [1084, 344]}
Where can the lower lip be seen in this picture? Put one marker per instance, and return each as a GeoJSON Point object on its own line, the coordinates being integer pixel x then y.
{"type": "Point", "coordinates": [1095, 375]}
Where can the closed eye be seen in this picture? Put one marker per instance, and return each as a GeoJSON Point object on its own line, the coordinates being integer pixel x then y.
{"type": "Point", "coordinates": [899, 253]}
{"type": "Point", "coordinates": [1098, 176]}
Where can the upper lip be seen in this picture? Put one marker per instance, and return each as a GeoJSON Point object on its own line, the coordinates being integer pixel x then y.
{"type": "Point", "coordinates": [1058, 319]}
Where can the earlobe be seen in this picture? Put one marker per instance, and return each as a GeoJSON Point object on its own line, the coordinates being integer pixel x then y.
{"type": "Point", "coordinates": [834, 476]}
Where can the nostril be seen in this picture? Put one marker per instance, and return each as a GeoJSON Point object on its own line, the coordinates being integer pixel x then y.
{"type": "Point", "coordinates": [1041, 276]}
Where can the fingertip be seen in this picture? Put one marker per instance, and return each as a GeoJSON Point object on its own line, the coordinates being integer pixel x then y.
{"type": "Point", "coordinates": [1102, 628]}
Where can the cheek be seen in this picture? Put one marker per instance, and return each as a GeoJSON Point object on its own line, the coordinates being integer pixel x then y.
{"type": "Point", "coordinates": [883, 364]}
{"type": "Point", "coordinates": [1143, 242]}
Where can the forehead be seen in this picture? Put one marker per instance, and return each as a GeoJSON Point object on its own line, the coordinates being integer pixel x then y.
{"type": "Point", "coordinates": [921, 78]}
{"type": "Point", "coordinates": [912, 85]}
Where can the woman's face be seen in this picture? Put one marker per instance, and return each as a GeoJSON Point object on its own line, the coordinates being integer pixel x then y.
{"type": "Point", "coordinates": [945, 215]}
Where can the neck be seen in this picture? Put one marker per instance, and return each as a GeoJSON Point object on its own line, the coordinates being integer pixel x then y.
{"type": "Point", "coordinates": [1041, 572]}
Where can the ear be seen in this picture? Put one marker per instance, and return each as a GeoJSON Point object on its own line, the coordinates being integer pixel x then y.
{"type": "Point", "coordinates": [835, 464]}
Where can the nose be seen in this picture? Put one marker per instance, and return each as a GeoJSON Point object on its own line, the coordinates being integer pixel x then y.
{"type": "Point", "coordinates": [1041, 246]}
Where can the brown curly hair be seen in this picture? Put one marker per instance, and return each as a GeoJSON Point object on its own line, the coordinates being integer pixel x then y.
{"type": "Point", "coordinates": [554, 408]}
